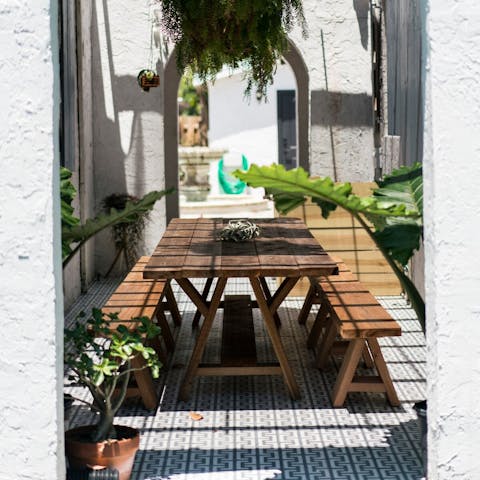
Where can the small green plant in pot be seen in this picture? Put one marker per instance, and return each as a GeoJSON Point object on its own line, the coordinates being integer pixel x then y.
{"type": "Point", "coordinates": [101, 355]}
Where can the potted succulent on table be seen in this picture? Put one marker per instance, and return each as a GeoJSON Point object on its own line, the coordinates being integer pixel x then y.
{"type": "Point", "coordinates": [102, 358]}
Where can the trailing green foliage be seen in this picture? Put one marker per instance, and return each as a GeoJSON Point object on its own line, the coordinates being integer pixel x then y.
{"type": "Point", "coordinates": [190, 95]}
{"type": "Point", "coordinates": [99, 357]}
{"type": "Point", "coordinates": [74, 234]}
{"type": "Point", "coordinates": [395, 209]}
{"type": "Point", "coordinates": [212, 33]}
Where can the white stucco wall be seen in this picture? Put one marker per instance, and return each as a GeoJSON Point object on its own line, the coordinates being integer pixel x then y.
{"type": "Point", "coordinates": [243, 126]}
{"type": "Point", "coordinates": [31, 373]}
{"type": "Point", "coordinates": [452, 229]}
{"type": "Point", "coordinates": [127, 122]}
{"type": "Point", "coordinates": [340, 84]}
{"type": "Point", "coordinates": [128, 147]}
{"type": "Point", "coordinates": [337, 54]}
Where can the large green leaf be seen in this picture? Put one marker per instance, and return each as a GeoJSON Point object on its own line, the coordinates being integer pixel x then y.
{"type": "Point", "coordinates": [400, 241]}
{"type": "Point", "coordinates": [395, 210]}
{"type": "Point", "coordinates": [284, 202]}
{"type": "Point", "coordinates": [67, 194]}
{"type": "Point", "coordinates": [298, 183]}
{"type": "Point", "coordinates": [404, 185]}
{"type": "Point", "coordinates": [79, 234]}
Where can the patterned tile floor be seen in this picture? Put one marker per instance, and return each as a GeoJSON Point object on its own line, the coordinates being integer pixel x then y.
{"type": "Point", "coordinates": [252, 430]}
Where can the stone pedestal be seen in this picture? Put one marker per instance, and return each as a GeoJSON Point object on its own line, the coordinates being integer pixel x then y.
{"type": "Point", "coordinates": [194, 168]}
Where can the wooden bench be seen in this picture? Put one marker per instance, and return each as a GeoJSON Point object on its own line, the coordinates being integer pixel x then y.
{"type": "Point", "coordinates": [138, 297]}
{"type": "Point", "coordinates": [238, 334]}
{"type": "Point", "coordinates": [348, 311]}
{"type": "Point", "coordinates": [238, 354]}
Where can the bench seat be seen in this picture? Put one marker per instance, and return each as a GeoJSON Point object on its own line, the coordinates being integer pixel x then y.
{"type": "Point", "coordinates": [138, 297]}
{"type": "Point", "coordinates": [349, 322]}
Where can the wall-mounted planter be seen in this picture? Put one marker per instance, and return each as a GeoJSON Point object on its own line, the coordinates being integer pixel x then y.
{"type": "Point", "coordinates": [148, 78]}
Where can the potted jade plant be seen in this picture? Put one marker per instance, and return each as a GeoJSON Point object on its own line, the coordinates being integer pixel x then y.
{"type": "Point", "coordinates": [101, 356]}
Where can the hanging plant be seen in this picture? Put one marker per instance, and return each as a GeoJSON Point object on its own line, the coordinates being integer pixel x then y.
{"type": "Point", "coordinates": [252, 34]}
{"type": "Point", "coordinates": [147, 78]}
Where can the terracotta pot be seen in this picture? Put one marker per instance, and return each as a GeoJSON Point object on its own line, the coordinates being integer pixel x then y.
{"type": "Point", "coordinates": [118, 454]}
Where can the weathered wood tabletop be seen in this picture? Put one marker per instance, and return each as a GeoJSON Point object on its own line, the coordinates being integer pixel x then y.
{"type": "Point", "coordinates": [192, 249]}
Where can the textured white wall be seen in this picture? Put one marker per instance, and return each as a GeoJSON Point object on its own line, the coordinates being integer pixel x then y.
{"type": "Point", "coordinates": [127, 122]}
{"type": "Point", "coordinates": [243, 126]}
{"type": "Point", "coordinates": [340, 84]}
{"type": "Point", "coordinates": [31, 373]}
{"type": "Point", "coordinates": [248, 127]}
{"type": "Point", "coordinates": [452, 230]}
{"type": "Point", "coordinates": [128, 148]}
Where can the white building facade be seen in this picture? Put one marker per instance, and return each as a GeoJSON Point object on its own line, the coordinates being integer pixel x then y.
{"type": "Point", "coordinates": [127, 151]}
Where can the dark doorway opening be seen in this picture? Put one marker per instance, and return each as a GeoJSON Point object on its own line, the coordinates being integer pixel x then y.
{"type": "Point", "coordinates": [287, 128]}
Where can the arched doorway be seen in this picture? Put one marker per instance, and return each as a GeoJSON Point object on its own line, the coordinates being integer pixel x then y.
{"type": "Point", "coordinates": [171, 83]}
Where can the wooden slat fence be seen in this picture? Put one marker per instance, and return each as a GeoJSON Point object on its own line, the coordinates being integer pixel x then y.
{"type": "Point", "coordinates": [342, 236]}
{"type": "Point", "coordinates": [403, 25]}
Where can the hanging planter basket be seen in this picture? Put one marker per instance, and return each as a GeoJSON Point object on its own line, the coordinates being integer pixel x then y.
{"type": "Point", "coordinates": [248, 34]}
{"type": "Point", "coordinates": [147, 78]}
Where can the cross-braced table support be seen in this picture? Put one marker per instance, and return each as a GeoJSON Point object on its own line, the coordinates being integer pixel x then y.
{"type": "Point", "coordinates": [190, 248]}
{"type": "Point", "coordinates": [268, 305]}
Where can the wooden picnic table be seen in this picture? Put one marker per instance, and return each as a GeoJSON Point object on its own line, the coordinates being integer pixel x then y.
{"type": "Point", "coordinates": [285, 248]}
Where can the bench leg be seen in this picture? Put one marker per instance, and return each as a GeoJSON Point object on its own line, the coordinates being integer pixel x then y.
{"type": "Point", "coordinates": [166, 332]}
{"type": "Point", "coordinates": [383, 372]}
{"type": "Point", "coordinates": [347, 371]}
{"type": "Point", "coordinates": [318, 324]}
{"type": "Point", "coordinates": [325, 346]}
{"type": "Point", "coordinates": [157, 346]}
{"type": "Point", "coordinates": [367, 357]}
{"type": "Point", "coordinates": [307, 305]}
{"type": "Point", "coordinates": [172, 304]}
{"type": "Point", "coordinates": [269, 320]}
{"type": "Point", "coordinates": [145, 384]}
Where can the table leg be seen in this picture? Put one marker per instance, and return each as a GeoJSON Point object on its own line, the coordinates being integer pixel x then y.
{"type": "Point", "coordinates": [206, 291]}
{"type": "Point", "coordinates": [209, 314]}
{"type": "Point", "coordinates": [268, 296]}
{"type": "Point", "coordinates": [281, 293]}
{"type": "Point", "coordinates": [172, 304]}
{"type": "Point", "coordinates": [307, 305]}
{"type": "Point", "coordinates": [275, 338]}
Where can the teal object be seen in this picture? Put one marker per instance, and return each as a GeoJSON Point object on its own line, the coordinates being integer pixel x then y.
{"type": "Point", "coordinates": [229, 184]}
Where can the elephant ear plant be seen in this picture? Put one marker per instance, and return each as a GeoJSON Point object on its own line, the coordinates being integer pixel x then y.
{"type": "Point", "coordinates": [394, 210]}
{"type": "Point", "coordinates": [102, 358]}
{"type": "Point", "coordinates": [75, 234]}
